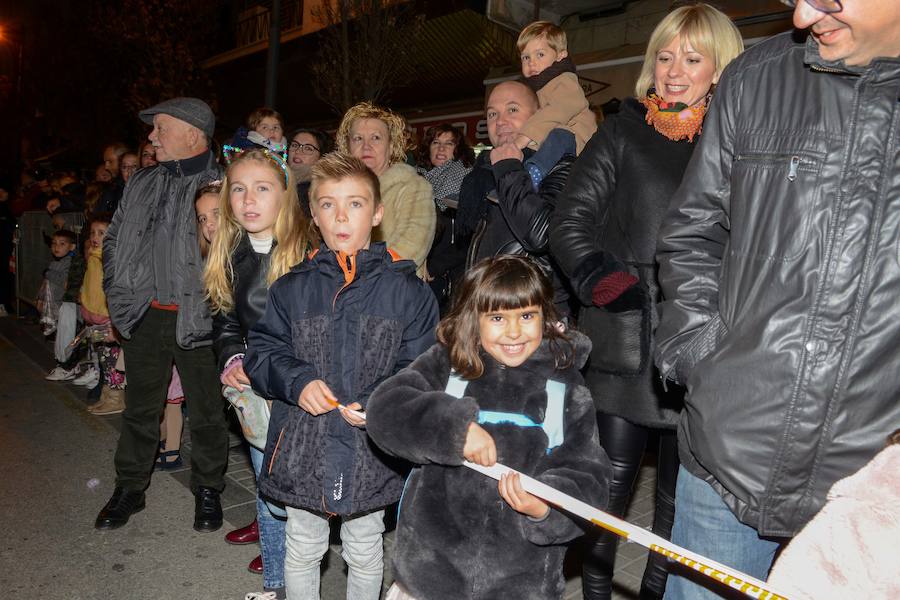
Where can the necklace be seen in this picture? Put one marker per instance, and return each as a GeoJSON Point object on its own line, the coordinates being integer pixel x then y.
{"type": "Point", "coordinates": [675, 120]}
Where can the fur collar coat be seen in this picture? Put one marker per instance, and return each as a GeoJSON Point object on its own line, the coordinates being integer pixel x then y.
{"type": "Point", "coordinates": [409, 214]}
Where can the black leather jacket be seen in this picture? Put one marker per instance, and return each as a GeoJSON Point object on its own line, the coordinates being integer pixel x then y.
{"type": "Point", "coordinates": [614, 203]}
{"type": "Point", "coordinates": [250, 292]}
{"type": "Point", "coordinates": [518, 220]}
{"type": "Point", "coordinates": [780, 267]}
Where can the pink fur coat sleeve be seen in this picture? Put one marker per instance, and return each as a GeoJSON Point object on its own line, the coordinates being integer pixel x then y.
{"type": "Point", "coordinates": [851, 549]}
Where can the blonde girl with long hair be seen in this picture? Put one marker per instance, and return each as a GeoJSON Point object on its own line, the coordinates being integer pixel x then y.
{"type": "Point", "coordinates": [262, 233]}
{"type": "Point", "coordinates": [283, 223]}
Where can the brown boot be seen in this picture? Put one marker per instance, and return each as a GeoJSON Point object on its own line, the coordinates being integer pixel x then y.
{"type": "Point", "coordinates": [111, 402]}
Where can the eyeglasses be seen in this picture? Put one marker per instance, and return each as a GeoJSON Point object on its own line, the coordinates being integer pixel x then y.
{"type": "Point", "coordinates": [303, 148]}
{"type": "Point", "coordinates": [825, 6]}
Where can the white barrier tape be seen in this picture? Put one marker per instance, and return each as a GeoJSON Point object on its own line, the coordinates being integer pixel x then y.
{"type": "Point", "coordinates": [724, 574]}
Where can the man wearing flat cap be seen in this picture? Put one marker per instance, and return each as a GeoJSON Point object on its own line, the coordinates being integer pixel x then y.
{"type": "Point", "coordinates": [153, 278]}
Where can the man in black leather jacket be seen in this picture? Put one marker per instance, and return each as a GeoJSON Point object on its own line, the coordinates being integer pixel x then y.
{"type": "Point", "coordinates": [780, 270]}
{"type": "Point", "coordinates": [514, 217]}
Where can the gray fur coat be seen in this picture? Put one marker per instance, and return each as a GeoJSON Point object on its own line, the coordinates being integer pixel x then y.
{"type": "Point", "coordinates": [456, 537]}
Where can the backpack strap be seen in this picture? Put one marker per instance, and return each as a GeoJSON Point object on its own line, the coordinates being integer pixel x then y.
{"type": "Point", "coordinates": [456, 386]}
{"type": "Point", "coordinates": [554, 415]}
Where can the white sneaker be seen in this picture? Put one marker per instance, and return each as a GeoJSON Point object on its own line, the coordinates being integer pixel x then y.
{"type": "Point", "coordinates": [89, 378]}
{"type": "Point", "coordinates": [61, 374]}
{"type": "Point", "coordinates": [261, 596]}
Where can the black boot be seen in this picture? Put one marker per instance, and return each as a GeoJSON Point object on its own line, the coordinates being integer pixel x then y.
{"type": "Point", "coordinates": [119, 509]}
{"type": "Point", "coordinates": [207, 510]}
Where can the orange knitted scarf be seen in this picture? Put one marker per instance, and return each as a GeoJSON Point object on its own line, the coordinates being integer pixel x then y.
{"type": "Point", "coordinates": [675, 120]}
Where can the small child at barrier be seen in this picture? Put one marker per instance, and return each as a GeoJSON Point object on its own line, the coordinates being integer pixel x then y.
{"type": "Point", "coordinates": [68, 351]}
{"type": "Point", "coordinates": [63, 246]}
{"type": "Point", "coordinates": [67, 356]}
{"type": "Point", "coordinates": [95, 313]}
{"type": "Point", "coordinates": [502, 384]}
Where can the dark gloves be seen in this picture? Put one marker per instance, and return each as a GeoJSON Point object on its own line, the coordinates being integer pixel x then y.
{"type": "Point", "coordinates": [619, 291]}
{"type": "Point", "coordinates": [602, 280]}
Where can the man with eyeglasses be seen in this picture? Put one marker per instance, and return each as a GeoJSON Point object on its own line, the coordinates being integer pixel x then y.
{"type": "Point", "coordinates": [780, 264]}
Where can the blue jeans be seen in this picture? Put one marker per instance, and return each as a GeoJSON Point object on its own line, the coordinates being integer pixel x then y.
{"type": "Point", "coordinates": [362, 550]}
{"type": "Point", "coordinates": [271, 518]}
{"type": "Point", "coordinates": [705, 525]}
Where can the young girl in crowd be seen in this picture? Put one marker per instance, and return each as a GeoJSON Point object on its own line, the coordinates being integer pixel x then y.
{"type": "Point", "coordinates": [262, 233]}
{"type": "Point", "coordinates": [95, 312]}
{"type": "Point", "coordinates": [172, 425]}
{"type": "Point", "coordinates": [501, 384]}
{"type": "Point", "coordinates": [207, 207]}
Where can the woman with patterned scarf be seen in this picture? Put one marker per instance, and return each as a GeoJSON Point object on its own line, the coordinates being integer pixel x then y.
{"type": "Point", "coordinates": [603, 236]}
{"type": "Point", "coordinates": [444, 158]}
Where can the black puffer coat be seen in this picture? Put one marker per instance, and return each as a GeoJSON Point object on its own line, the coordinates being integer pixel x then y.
{"type": "Point", "coordinates": [457, 539]}
{"type": "Point", "coordinates": [351, 333]}
{"type": "Point", "coordinates": [249, 290]}
{"type": "Point", "coordinates": [518, 219]}
{"type": "Point", "coordinates": [614, 203]}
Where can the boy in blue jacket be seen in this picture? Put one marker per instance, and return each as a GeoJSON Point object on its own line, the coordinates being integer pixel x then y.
{"type": "Point", "coordinates": [335, 327]}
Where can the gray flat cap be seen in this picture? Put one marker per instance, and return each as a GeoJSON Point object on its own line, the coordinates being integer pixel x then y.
{"type": "Point", "coordinates": [194, 111]}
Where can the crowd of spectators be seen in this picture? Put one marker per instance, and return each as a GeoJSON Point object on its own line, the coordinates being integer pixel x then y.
{"type": "Point", "coordinates": [720, 256]}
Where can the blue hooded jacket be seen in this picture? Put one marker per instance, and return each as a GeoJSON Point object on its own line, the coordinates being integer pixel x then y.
{"type": "Point", "coordinates": [351, 325]}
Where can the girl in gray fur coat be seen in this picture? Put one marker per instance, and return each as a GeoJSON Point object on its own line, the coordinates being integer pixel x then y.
{"type": "Point", "coordinates": [501, 385]}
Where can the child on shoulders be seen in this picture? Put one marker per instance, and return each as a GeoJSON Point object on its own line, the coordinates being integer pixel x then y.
{"type": "Point", "coordinates": [265, 129]}
{"type": "Point", "coordinates": [564, 123]}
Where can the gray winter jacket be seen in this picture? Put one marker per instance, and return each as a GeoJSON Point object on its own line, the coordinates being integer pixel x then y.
{"type": "Point", "coordinates": [780, 265]}
{"type": "Point", "coordinates": [129, 253]}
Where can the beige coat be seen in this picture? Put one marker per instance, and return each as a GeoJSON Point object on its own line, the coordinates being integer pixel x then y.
{"type": "Point", "coordinates": [562, 105]}
{"type": "Point", "coordinates": [409, 214]}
